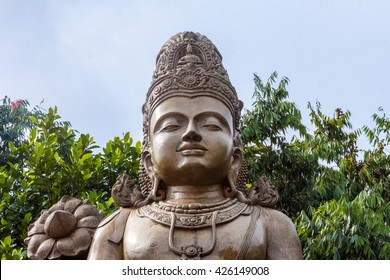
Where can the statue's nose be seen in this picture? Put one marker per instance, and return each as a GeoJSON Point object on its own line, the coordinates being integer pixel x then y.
{"type": "Point", "coordinates": [191, 135]}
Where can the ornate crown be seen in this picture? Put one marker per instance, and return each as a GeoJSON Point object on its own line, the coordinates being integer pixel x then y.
{"type": "Point", "coordinates": [189, 65]}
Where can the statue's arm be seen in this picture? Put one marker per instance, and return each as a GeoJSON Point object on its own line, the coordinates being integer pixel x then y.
{"type": "Point", "coordinates": [283, 241]}
{"type": "Point", "coordinates": [102, 247]}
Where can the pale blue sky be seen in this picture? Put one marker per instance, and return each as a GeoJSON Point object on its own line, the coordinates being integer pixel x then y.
{"type": "Point", "coordinates": [94, 59]}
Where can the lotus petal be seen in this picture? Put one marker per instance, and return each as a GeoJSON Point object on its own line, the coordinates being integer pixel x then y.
{"type": "Point", "coordinates": [43, 217]}
{"type": "Point", "coordinates": [33, 244]}
{"type": "Point", "coordinates": [72, 204]}
{"type": "Point", "coordinates": [66, 246]}
{"type": "Point", "coordinates": [45, 249]}
{"type": "Point", "coordinates": [60, 224]}
{"type": "Point", "coordinates": [89, 222]}
{"type": "Point", "coordinates": [78, 241]}
{"type": "Point", "coordinates": [36, 228]}
{"type": "Point", "coordinates": [66, 198]}
{"type": "Point", "coordinates": [54, 254]}
{"type": "Point", "coordinates": [86, 210]}
{"type": "Point", "coordinates": [57, 206]}
{"type": "Point", "coordinates": [82, 239]}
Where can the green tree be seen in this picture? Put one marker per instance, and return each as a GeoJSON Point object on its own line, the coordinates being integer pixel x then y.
{"type": "Point", "coordinates": [352, 221]}
{"type": "Point", "coordinates": [14, 124]}
{"type": "Point", "coordinates": [51, 161]}
{"type": "Point", "coordinates": [269, 152]}
{"type": "Point", "coordinates": [336, 193]}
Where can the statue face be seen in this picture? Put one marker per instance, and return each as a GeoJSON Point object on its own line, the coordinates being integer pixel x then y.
{"type": "Point", "coordinates": [191, 141]}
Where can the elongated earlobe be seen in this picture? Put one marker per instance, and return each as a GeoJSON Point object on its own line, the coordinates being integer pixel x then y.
{"type": "Point", "coordinates": [156, 192]}
{"type": "Point", "coordinates": [232, 190]}
{"type": "Point", "coordinates": [147, 160]}
{"type": "Point", "coordinates": [236, 164]}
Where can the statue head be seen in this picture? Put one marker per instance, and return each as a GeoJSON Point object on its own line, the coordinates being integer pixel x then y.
{"type": "Point", "coordinates": [191, 121]}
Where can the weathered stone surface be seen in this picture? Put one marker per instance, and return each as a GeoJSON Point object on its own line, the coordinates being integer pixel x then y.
{"type": "Point", "coordinates": [59, 224]}
{"type": "Point", "coordinates": [192, 201]}
{"type": "Point", "coordinates": [63, 231]}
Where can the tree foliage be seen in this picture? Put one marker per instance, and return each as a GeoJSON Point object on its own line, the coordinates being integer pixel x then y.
{"type": "Point", "coordinates": [14, 124]}
{"type": "Point", "coordinates": [336, 193]}
{"type": "Point", "coordinates": [269, 152]}
{"type": "Point", "coordinates": [52, 161]}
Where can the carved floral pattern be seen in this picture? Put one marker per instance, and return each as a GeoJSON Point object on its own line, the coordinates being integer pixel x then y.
{"type": "Point", "coordinates": [263, 193]}
{"type": "Point", "coordinates": [193, 220]}
{"type": "Point", "coordinates": [63, 231]}
{"type": "Point", "coordinates": [185, 220]}
{"type": "Point", "coordinates": [125, 192]}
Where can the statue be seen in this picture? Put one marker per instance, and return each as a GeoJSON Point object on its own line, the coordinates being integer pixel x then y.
{"type": "Point", "coordinates": [192, 201]}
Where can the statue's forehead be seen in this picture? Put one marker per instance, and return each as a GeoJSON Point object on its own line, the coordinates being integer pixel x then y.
{"type": "Point", "coordinates": [191, 107]}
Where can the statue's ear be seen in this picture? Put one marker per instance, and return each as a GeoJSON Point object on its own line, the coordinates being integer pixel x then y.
{"type": "Point", "coordinates": [236, 164]}
{"type": "Point", "coordinates": [234, 171]}
{"type": "Point", "coordinates": [153, 175]}
{"type": "Point", "coordinates": [147, 160]}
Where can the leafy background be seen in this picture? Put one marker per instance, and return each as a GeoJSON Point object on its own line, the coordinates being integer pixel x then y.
{"type": "Point", "coordinates": [336, 193]}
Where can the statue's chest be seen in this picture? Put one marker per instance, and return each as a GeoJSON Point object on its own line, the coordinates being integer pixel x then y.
{"type": "Point", "coordinates": [145, 238]}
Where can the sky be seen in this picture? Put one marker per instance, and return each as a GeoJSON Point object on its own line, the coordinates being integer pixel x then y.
{"type": "Point", "coordinates": [94, 59]}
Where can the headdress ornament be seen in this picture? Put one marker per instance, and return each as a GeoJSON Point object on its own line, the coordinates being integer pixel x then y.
{"type": "Point", "coordinates": [190, 65]}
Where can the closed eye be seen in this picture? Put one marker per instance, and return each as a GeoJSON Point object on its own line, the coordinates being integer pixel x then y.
{"type": "Point", "coordinates": [170, 127]}
{"type": "Point", "coordinates": [212, 127]}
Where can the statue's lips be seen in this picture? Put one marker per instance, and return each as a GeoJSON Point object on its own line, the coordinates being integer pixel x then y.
{"type": "Point", "coordinates": [192, 149]}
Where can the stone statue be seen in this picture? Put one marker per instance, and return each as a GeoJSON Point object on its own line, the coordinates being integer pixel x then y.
{"type": "Point", "coordinates": [192, 201]}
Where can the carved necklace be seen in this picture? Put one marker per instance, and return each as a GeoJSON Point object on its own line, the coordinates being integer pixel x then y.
{"type": "Point", "coordinates": [195, 208]}
{"type": "Point", "coordinates": [193, 216]}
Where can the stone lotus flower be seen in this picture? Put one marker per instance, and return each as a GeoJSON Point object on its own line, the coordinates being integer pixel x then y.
{"type": "Point", "coordinates": [63, 231]}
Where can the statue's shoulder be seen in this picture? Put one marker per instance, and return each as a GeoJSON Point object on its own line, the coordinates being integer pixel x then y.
{"type": "Point", "coordinates": [283, 241]}
{"type": "Point", "coordinates": [272, 218]}
{"type": "Point", "coordinates": [110, 218]}
{"type": "Point", "coordinates": [107, 241]}
{"type": "Point", "coordinates": [114, 225]}
{"type": "Point", "coordinates": [276, 217]}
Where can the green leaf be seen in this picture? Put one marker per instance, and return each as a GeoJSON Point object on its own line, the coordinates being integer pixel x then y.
{"type": "Point", "coordinates": [7, 241]}
{"type": "Point", "coordinates": [56, 156]}
{"type": "Point", "coordinates": [86, 157]}
{"type": "Point", "coordinates": [33, 119]}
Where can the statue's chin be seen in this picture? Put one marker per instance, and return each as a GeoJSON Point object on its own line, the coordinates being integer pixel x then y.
{"type": "Point", "coordinates": [194, 173]}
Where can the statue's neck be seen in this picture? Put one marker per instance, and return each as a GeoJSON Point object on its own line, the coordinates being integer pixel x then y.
{"type": "Point", "coordinates": [194, 194]}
